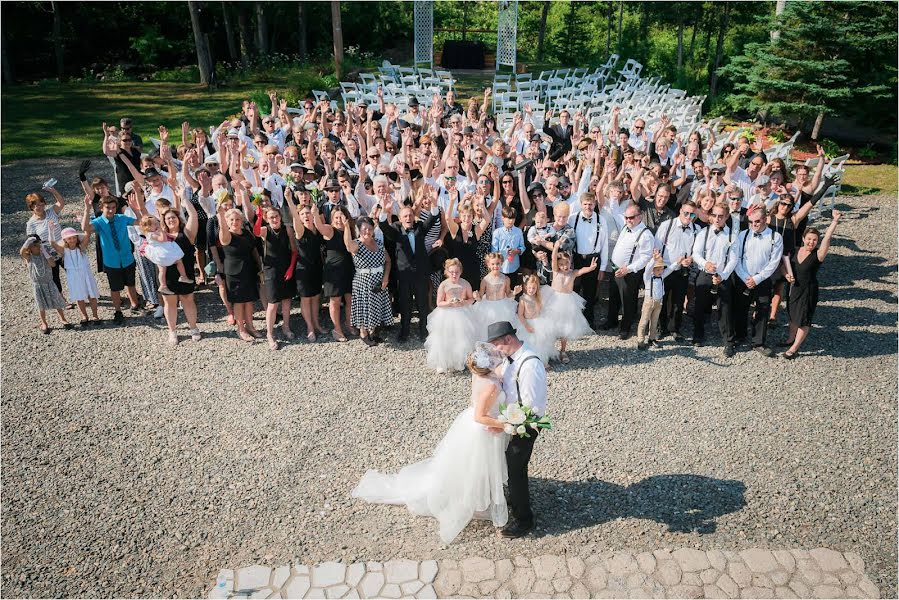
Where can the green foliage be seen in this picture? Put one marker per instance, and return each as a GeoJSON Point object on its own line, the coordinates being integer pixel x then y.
{"type": "Point", "coordinates": [867, 153]}
{"type": "Point", "coordinates": [831, 148]}
{"type": "Point", "coordinates": [778, 135]}
{"type": "Point", "coordinates": [188, 74]}
{"type": "Point", "coordinates": [150, 44]}
{"type": "Point", "coordinates": [747, 133]}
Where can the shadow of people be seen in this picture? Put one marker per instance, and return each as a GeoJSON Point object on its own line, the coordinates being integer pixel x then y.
{"type": "Point", "coordinates": [685, 503]}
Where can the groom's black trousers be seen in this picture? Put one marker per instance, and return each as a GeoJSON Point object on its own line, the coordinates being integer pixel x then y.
{"type": "Point", "coordinates": [518, 454]}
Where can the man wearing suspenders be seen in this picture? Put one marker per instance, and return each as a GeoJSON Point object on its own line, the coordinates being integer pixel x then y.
{"type": "Point", "coordinates": [591, 241]}
{"type": "Point", "coordinates": [674, 239]}
{"type": "Point", "coordinates": [759, 251]}
{"type": "Point", "coordinates": [631, 254]}
{"type": "Point", "coordinates": [711, 253]}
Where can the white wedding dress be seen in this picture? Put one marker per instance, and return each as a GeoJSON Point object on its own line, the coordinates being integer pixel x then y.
{"type": "Point", "coordinates": [463, 479]}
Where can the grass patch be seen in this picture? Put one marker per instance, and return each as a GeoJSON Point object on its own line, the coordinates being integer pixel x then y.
{"type": "Point", "coordinates": [64, 119]}
{"type": "Point", "coordinates": [865, 180]}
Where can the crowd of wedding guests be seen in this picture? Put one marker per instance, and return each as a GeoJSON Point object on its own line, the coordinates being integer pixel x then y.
{"type": "Point", "coordinates": [366, 214]}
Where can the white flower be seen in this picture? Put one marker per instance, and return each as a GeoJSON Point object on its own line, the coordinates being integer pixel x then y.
{"type": "Point", "coordinates": [515, 415]}
{"type": "Point", "coordinates": [520, 430]}
{"type": "Point", "coordinates": [533, 426]}
{"type": "Point", "coordinates": [508, 429]}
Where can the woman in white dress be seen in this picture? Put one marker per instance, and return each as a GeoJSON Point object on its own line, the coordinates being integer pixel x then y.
{"type": "Point", "coordinates": [463, 479]}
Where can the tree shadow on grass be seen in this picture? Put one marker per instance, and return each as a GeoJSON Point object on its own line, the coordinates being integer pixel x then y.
{"type": "Point", "coordinates": [685, 503]}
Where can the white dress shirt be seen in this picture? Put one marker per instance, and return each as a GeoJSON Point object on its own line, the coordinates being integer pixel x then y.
{"type": "Point", "coordinates": [591, 237]}
{"type": "Point", "coordinates": [680, 240]}
{"type": "Point", "coordinates": [634, 248]}
{"type": "Point", "coordinates": [758, 254]}
{"type": "Point", "coordinates": [714, 246]}
{"type": "Point", "coordinates": [531, 380]}
{"type": "Point", "coordinates": [741, 178]}
{"type": "Point", "coordinates": [654, 285]}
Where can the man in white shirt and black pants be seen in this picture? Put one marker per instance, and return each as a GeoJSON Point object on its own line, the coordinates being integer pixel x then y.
{"type": "Point", "coordinates": [631, 254]}
{"type": "Point", "coordinates": [711, 253]}
{"type": "Point", "coordinates": [674, 239]}
{"type": "Point", "coordinates": [758, 250]}
{"type": "Point", "coordinates": [524, 382]}
{"type": "Point", "coordinates": [591, 241]}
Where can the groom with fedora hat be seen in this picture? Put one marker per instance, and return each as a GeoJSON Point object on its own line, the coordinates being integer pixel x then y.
{"type": "Point", "coordinates": [524, 382]}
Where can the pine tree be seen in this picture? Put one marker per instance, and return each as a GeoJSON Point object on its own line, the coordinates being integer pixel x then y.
{"type": "Point", "coordinates": [818, 63]}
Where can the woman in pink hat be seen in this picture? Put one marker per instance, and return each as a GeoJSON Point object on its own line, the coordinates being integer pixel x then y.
{"type": "Point", "coordinates": [81, 283]}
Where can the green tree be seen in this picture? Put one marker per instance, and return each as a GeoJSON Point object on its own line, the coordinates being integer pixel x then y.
{"type": "Point", "coordinates": [819, 62]}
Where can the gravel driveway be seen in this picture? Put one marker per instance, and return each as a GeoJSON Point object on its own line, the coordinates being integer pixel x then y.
{"type": "Point", "coordinates": [130, 468]}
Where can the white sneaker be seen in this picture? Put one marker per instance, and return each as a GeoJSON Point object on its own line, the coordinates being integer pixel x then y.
{"type": "Point", "coordinates": [159, 312]}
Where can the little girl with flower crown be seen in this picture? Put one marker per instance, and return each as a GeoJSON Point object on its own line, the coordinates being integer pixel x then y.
{"type": "Point", "coordinates": [564, 307]}
{"type": "Point", "coordinates": [162, 251]}
{"type": "Point", "coordinates": [535, 328]}
{"type": "Point", "coordinates": [496, 298]}
{"type": "Point", "coordinates": [452, 329]}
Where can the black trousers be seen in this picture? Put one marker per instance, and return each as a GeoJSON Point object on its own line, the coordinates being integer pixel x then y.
{"type": "Point", "coordinates": [409, 284]}
{"type": "Point", "coordinates": [705, 299]}
{"type": "Point", "coordinates": [518, 454]}
{"type": "Point", "coordinates": [586, 286]}
{"type": "Point", "coordinates": [673, 304]}
{"type": "Point", "coordinates": [628, 288]}
{"type": "Point", "coordinates": [760, 296]}
{"type": "Point", "coordinates": [613, 307]}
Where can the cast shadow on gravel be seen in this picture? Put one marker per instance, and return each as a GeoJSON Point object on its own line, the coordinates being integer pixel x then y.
{"type": "Point", "coordinates": [856, 271]}
{"type": "Point", "coordinates": [685, 503]}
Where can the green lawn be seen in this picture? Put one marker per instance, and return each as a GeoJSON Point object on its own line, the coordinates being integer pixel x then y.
{"type": "Point", "coordinates": [862, 180]}
{"type": "Point", "coordinates": [64, 119]}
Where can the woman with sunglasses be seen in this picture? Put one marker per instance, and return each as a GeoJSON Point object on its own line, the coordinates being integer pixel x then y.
{"type": "Point", "coordinates": [784, 221]}
{"type": "Point", "coordinates": [121, 149]}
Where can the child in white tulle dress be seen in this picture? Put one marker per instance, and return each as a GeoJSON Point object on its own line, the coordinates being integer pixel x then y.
{"type": "Point", "coordinates": [452, 326]}
{"type": "Point", "coordinates": [535, 327]}
{"type": "Point", "coordinates": [79, 278]}
{"type": "Point", "coordinates": [563, 306]}
{"type": "Point", "coordinates": [496, 298]}
{"type": "Point", "coordinates": [162, 251]}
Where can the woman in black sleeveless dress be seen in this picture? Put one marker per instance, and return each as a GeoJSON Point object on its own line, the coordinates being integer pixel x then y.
{"type": "Point", "coordinates": [185, 234]}
{"type": "Point", "coordinates": [241, 270]}
{"type": "Point", "coordinates": [309, 266]}
{"type": "Point", "coordinates": [338, 269]}
{"type": "Point", "coordinates": [804, 292]}
{"type": "Point", "coordinates": [785, 222]}
{"type": "Point", "coordinates": [464, 241]}
{"type": "Point", "coordinates": [278, 264]}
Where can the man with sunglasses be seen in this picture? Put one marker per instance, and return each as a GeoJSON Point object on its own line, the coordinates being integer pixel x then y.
{"type": "Point", "coordinates": [674, 238]}
{"type": "Point", "coordinates": [632, 252]}
{"type": "Point", "coordinates": [716, 263]}
{"type": "Point", "coordinates": [758, 251]}
{"type": "Point", "coordinates": [118, 154]}
{"type": "Point", "coordinates": [126, 125]}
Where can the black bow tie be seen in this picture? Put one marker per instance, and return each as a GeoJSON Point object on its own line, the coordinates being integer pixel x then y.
{"type": "Point", "coordinates": [629, 230]}
{"type": "Point", "coordinates": [717, 231]}
{"type": "Point", "coordinates": [758, 235]}
{"type": "Point", "coordinates": [509, 358]}
{"type": "Point", "coordinates": [583, 218]}
{"type": "Point", "coordinates": [685, 227]}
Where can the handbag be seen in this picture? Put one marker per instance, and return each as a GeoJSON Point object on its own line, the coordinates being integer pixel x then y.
{"type": "Point", "coordinates": [210, 269]}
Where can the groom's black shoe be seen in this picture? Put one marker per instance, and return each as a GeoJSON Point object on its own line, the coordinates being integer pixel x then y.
{"type": "Point", "coordinates": [516, 529]}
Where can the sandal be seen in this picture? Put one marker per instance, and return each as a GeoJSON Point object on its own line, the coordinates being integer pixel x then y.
{"type": "Point", "coordinates": [272, 344]}
{"type": "Point", "coordinates": [45, 330]}
{"type": "Point", "coordinates": [310, 336]}
{"type": "Point", "coordinates": [337, 337]}
{"type": "Point", "coordinates": [789, 355]}
{"type": "Point", "coordinates": [255, 333]}
{"type": "Point", "coordinates": [564, 358]}
{"type": "Point", "coordinates": [368, 341]}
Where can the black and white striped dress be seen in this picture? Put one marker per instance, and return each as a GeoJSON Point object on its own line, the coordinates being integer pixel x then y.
{"type": "Point", "coordinates": [370, 309]}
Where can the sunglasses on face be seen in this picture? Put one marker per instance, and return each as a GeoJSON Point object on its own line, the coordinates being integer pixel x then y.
{"type": "Point", "coordinates": [755, 222]}
{"type": "Point", "coordinates": [720, 216]}
{"type": "Point", "coordinates": [507, 182]}
{"type": "Point", "coordinates": [638, 127]}
{"type": "Point", "coordinates": [689, 215]}
{"type": "Point", "coordinates": [449, 178]}
{"type": "Point", "coordinates": [126, 140]}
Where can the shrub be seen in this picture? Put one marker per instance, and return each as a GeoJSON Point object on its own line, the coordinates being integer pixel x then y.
{"type": "Point", "coordinates": [150, 45]}
{"type": "Point", "coordinates": [831, 148]}
{"type": "Point", "coordinates": [778, 136]}
{"type": "Point", "coordinates": [867, 153]}
{"type": "Point", "coordinates": [188, 74]}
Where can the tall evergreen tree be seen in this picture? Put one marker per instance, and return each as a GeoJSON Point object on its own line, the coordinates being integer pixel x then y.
{"type": "Point", "coordinates": [818, 63]}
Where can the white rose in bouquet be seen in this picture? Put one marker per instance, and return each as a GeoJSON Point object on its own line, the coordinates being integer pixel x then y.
{"type": "Point", "coordinates": [508, 429]}
{"type": "Point", "coordinates": [520, 429]}
{"type": "Point", "coordinates": [515, 415]}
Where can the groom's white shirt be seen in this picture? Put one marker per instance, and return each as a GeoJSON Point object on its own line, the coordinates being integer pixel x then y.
{"type": "Point", "coordinates": [531, 380]}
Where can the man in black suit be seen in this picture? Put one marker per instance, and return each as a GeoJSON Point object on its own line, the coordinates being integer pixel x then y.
{"type": "Point", "coordinates": [560, 133]}
{"type": "Point", "coordinates": [413, 266]}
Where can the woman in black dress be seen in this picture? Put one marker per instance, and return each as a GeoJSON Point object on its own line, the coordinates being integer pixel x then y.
{"type": "Point", "coordinates": [309, 265]}
{"type": "Point", "coordinates": [464, 240]}
{"type": "Point", "coordinates": [804, 293]}
{"type": "Point", "coordinates": [183, 293]}
{"type": "Point", "coordinates": [278, 263]}
{"type": "Point", "coordinates": [217, 255]}
{"type": "Point", "coordinates": [785, 222]}
{"type": "Point", "coordinates": [241, 268]}
{"type": "Point", "coordinates": [338, 269]}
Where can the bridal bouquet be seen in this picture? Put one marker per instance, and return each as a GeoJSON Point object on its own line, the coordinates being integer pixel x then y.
{"type": "Point", "coordinates": [519, 419]}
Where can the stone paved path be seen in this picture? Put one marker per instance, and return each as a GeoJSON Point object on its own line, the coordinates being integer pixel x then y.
{"type": "Point", "coordinates": [682, 573]}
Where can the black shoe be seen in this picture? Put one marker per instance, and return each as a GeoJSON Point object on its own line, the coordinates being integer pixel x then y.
{"type": "Point", "coordinates": [368, 341]}
{"type": "Point", "coordinates": [624, 335]}
{"type": "Point", "coordinates": [642, 346]}
{"type": "Point", "coordinates": [118, 318]}
{"type": "Point", "coordinates": [135, 310]}
{"type": "Point", "coordinates": [607, 324]}
{"type": "Point", "coordinates": [698, 342]}
{"type": "Point", "coordinates": [790, 355]}
{"type": "Point", "coordinates": [729, 351]}
{"type": "Point", "coordinates": [663, 334]}
{"type": "Point", "coordinates": [515, 529]}
{"type": "Point", "coordinates": [376, 338]}
{"type": "Point", "coordinates": [764, 351]}
{"type": "Point", "coordinates": [784, 344]}
{"type": "Point", "coordinates": [678, 338]}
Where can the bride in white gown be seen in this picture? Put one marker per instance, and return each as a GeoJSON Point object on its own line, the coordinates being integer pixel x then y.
{"type": "Point", "coordinates": [463, 479]}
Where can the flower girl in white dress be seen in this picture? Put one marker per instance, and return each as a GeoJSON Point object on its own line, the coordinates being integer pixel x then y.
{"type": "Point", "coordinates": [452, 326]}
{"type": "Point", "coordinates": [463, 479]}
